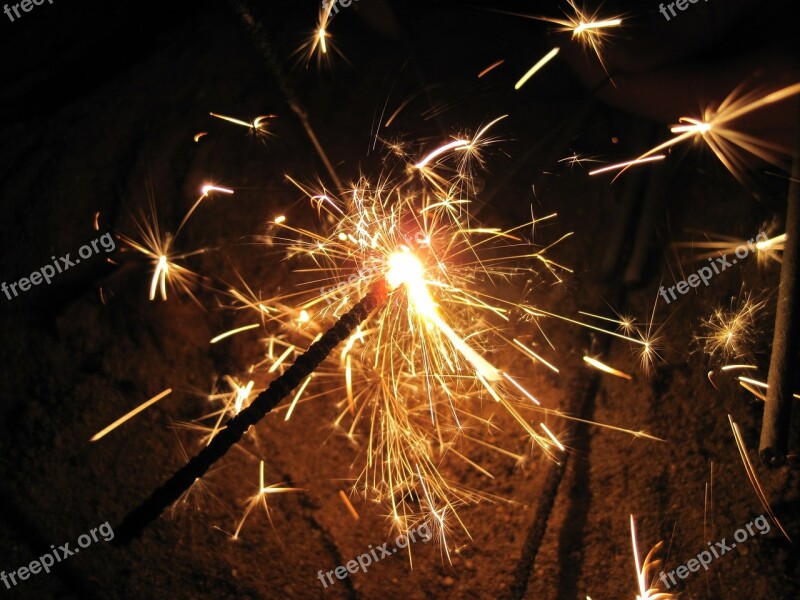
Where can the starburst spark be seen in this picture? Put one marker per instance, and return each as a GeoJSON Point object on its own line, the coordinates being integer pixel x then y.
{"type": "Point", "coordinates": [766, 249]}
{"type": "Point", "coordinates": [715, 129]}
{"type": "Point", "coordinates": [728, 332]}
{"type": "Point", "coordinates": [587, 27]}
{"type": "Point", "coordinates": [259, 499]}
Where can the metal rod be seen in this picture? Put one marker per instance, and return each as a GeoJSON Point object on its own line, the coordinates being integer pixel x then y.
{"type": "Point", "coordinates": [783, 362]}
{"type": "Point", "coordinates": [138, 519]}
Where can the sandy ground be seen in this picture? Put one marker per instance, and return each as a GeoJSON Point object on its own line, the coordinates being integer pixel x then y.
{"type": "Point", "coordinates": [74, 361]}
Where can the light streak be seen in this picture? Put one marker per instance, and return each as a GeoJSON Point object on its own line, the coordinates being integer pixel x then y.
{"type": "Point", "coordinates": [222, 336]}
{"type": "Point", "coordinates": [645, 571]}
{"type": "Point", "coordinates": [491, 67]}
{"type": "Point", "coordinates": [628, 163]}
{"type": "Point", "coordinates": [106, 430]}
{"type": "Point", "coordinates": [351, 509]}
{"type": "Point", "coordinates": [605, 368]}
{"type": "Point", "coordinates": [532, 71]}
{"type": "Point", "coordinates": [751, 475]}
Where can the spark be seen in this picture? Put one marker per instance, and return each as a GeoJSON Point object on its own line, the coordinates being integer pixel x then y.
{"type": "Point", "coordinates": [491, 67]}
{"type": "Point", "coordinates": [728, 331]}
{"type": "Point", "coordinates": [628, 163]}
{"type": "Point", "coordinates": [715, 245]}
{"type": "Point", "coordinates": [532, 71]}
{"type": "Point", "coordinates": [198, 136]}
{"type": "Point", "coordinates": [255, 127]}
{"type": "Point", "coordinates": [319, 43]}
{"type": "Point", "coordinates": [715, 128]}
{"type": "Point", "coordinates": [605, 368]}
{"type": "Point", "coordinates": [349, 505]}
{"type": "Point", "coordinates": [759, 384]}
{"type": "Point", "coordinates": [646, 570]}
{"type": "Point", "coordinates": [454, 145]}
{"type": "Point", "coordinates": [260, 499]}
{"type": "Point", "coordinates": [751, 475]}
{"type": "Point", "coordinates": [586, 27]}
{"type": "Point", "coordinates": [105, 431]}
{"type": "Point", "coordinates": [553, 437]}
{"type": "Point", "coordinates": [222, 336]}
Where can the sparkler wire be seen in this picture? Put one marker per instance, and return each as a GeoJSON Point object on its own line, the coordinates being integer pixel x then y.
{"type": "Point", "coordinates": [138, 519]}
{"type": "Point", "coordinates": [778, 405]}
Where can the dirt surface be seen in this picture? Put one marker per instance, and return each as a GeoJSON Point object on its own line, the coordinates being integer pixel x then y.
{"type": "Point", "coordinates": [99, 108]}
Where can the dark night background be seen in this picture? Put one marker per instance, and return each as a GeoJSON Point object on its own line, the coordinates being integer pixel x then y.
{"type": "Point", "coordinates": [98, 106]}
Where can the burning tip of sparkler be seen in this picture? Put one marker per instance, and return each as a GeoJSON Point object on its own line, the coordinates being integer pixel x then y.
{"type": "Point", "coordinates": [404, 267]}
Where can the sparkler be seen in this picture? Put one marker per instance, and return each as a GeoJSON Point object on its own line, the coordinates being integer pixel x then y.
{"type": "Point", "coordinates": [415, 369]}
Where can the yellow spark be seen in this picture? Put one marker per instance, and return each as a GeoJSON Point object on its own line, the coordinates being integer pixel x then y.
{"type": "Point", "coordinates": [222, 336]}
{"type": "Point", "coordinates": [197, 136]}
{"type": "Point", "coordinates": [349, 506]}
{"type": "Point", "coordinates": [242, 394]}
{"type": "Point", "coordinates": [760, 384]}
{"type": "Point", "coordinates": [552, 437]}
{"type": "Point", "coordinates": [719, 245]}
{"type": "Point", "coordinates": [454, 145]}
{"type": "Point", "coordinates": [605, 368]}
{"type": "Point", "coordinates": [627, 164]}
{"type": "Point", "coordinates": [490, 67]}
{"type": "Point", "coordinates": [542, 62]}
{"type": "Point", "coordinates": [103, 432]}
{"type": "Point", "coordinates": [586, 27]}
{"type": "Point", "coordinates": [535, 356]}
{"type": "Point", "coordinates": [159, 280]}
{"type": "Point", "coordinates": [213, 188]}
{"type": "Point", "coordinates": [596, 25]}
{"type": "Point", "coordinates": [751, 474]}
{"type": "Point", "coordinates": [260, 499]}
{"type": "Point", "coordinates": [280, 220]}
{"type": "Point", "coordinates": [646, 571]}
{"type": "Point", "coordinates": [728, 331]}
{"type": "Point", "coordinates": [255, 126]}
{"type": "Point", "coordinates": [297, 395]}
{"type": "Point", "coordinates": [714, 128]}
{"type": "Point", "coordinates": [280, 359]}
